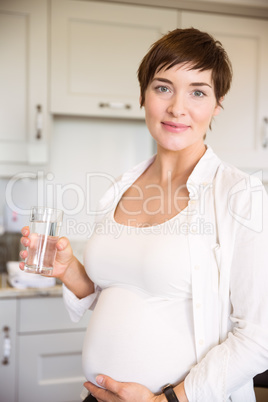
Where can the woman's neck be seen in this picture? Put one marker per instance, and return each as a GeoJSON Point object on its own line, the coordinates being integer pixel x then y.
{"type": "Point", "coordinates": [176, 164]}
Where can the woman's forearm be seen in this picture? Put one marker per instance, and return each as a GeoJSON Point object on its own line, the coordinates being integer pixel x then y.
{"type": "Point", "coordinates": [76, 279]}
{"type": "Point", "coordinates": [180, 392]}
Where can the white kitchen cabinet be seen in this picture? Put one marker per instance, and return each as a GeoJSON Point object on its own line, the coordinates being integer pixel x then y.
{"type": "Point", "coordinates": [23, 82]}
{"type": "Point", "coordinates": [96, 48]}
{"type": "Point", "coordinates": [50, 367]}
{"type": "Point", "coordinates": [240, 133]}
{"type": "Point", "coordinates": [7, 350]}
{"type": "Point", "coordinates": [50, 351]}
{"type": "Point", "coordinates": [45, 362]}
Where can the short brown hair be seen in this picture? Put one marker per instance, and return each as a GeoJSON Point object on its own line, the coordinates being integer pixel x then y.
{"type": "Point", "coordinates": [192, 46]}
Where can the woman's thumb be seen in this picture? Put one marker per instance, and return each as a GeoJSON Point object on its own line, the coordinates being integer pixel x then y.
{"type": "Point", "coordinates": [62, 244]}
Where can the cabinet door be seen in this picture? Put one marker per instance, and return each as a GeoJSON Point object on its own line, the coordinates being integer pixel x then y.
{"type": "Point", "coordinates": [23, 81]}
{"type": "Point", "coordinates": [47, 314]}
{"type": "Point", "coordinates": [238, 133]}
{"type": "Point", "coordinates": [7, 350]}
{"type": "Point", "coordinates": [50, 367]}
{"type": "Point", "coordinates": [96, 51]}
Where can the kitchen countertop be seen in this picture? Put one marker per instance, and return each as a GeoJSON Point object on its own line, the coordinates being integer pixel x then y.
{"type": "Point", "coordinates": [9, 292]}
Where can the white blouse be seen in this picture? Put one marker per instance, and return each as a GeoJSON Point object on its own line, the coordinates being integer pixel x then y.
{"type": "Point", "coordinates": [228, 242]}
{"type": "Point", "coordinates": [141, 329]}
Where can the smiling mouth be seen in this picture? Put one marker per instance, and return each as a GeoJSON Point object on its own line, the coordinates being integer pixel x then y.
{"type": "Point", "coordinates": [174, 125]}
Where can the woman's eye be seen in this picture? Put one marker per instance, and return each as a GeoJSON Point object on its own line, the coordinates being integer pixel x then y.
{"type": "Point", "coordinates": [162, 88]}
{"type": "Point", "coordinates": [198, 94]}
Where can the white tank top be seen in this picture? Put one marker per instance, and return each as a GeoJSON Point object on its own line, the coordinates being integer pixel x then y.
{"type": "Point", "coordinates": [141, 329]}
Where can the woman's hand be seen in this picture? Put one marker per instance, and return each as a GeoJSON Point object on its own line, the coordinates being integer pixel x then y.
{"type": "Point", "coordinates": [64, 255]}
{"type": "Point", "coordinates": [66, 266]}
{"type": "Point", "coordinates": [115, 391]}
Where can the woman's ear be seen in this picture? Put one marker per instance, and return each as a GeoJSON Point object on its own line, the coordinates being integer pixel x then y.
{"type": "Point", "coordinates": [218, 107]}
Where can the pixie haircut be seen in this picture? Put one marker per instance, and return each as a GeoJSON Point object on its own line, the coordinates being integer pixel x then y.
{"type": "Point", "coordinates": [183, 46]}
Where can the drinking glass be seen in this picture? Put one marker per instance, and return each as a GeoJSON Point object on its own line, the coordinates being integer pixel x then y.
{"type": "Point", "coordinates": [45, 224]}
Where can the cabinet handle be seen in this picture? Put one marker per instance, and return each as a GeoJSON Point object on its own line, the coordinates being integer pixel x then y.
{"type": "Point", "coordinates": [6, 346]}
{"type": "Point", "coordinates": [39, 122]}
{"type": "Point", "coordinates": [115, 105]}
{"type": "Point", "coordinates": [265, 133]}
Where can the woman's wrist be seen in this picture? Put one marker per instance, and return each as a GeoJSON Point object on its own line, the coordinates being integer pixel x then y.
{"type": "Point", "coordinates": [76, 280]}
{"type": "Point", "coordinates": [170, 394]}
{"type": "Point", "coordinates": [180, 392]}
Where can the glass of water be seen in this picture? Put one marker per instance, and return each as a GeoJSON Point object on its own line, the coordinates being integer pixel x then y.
{"type": "Point", "coordinates": [45, 225]}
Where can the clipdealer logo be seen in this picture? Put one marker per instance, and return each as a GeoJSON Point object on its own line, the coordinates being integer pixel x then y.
{"type": "Point", "coordinates": [47, 192]}
{"type": "Point", "coordinates": [249, 191]}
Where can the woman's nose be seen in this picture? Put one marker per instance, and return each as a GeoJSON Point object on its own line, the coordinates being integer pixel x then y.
{"type": "Point", "coordinates": [176, 106]}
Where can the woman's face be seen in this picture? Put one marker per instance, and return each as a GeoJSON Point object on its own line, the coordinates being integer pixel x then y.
{"type": "Point", "coordinates": [179, 106]}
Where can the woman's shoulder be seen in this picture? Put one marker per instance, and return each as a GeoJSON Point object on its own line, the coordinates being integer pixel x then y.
{"type": "Point", "coordinates": [228, 174]}
{"type": "Point", "coordinates": [230, 182]}
{"type": "Point", "coordinates": [240, 198]}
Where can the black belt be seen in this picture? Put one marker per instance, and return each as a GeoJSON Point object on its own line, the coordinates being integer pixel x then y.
{"type": "Point", "coordinates": [90, 398]}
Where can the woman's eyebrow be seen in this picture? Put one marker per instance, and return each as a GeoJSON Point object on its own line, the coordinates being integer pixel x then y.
{"type": "Point", "coordinates": [200, 84]}
{"type": "Point", "coordinates": [193, 84]}
{"type": "Point", "coordinates": [162, 80]}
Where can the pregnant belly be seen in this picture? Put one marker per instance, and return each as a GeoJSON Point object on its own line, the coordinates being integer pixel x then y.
{"type": "Point", "coordinates": [134, 337]}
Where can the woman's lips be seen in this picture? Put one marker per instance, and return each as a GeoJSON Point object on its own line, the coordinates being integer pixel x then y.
{"type": "Point", "coordinates": [174, 127]}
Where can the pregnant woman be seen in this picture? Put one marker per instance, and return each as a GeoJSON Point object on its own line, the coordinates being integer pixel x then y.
{"type": "Point", "coordinates": [176, 269]}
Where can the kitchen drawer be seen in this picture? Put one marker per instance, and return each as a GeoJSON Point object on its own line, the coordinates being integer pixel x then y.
{"type": "Point", "coordinates": [50, 367]}
{"type": "Point", "coordinates": [46, 314]}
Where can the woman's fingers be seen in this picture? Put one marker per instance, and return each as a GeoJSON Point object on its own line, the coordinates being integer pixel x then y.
{"type": "Point", "coordinates": [62, 244]}
{"type": "Point", "coordinates": [99, 393]}
{"type": "Point", "coordinates": [25, 241]}
{"type": "Point", "coordinates": [108, 383]}
{"type": "Point", "coordinates": [23, 254]}
{"type": "Point", "coordinates": [21, 265]}
{"type": "Point", "coordinates": [25, 231]}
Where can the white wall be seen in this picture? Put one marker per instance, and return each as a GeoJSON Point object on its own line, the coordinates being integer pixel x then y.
{"type": "Point", "coordinates": [86, 154]}
{"type": "Point", "coordinates": [82, 152]}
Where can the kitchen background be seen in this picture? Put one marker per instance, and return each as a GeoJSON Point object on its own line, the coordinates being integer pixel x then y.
{"type": "Point", "coordinates": [70, 122]}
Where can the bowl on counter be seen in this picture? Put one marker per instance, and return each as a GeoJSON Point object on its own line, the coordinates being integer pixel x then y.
{"type": "Point", "coordinates": [22, 280]}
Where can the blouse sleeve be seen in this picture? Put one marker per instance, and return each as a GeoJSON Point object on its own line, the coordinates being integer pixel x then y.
{"type": "Point", "coordinates": [230, 366]}
{"type": "Point", "coordinates": [77, 307]}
